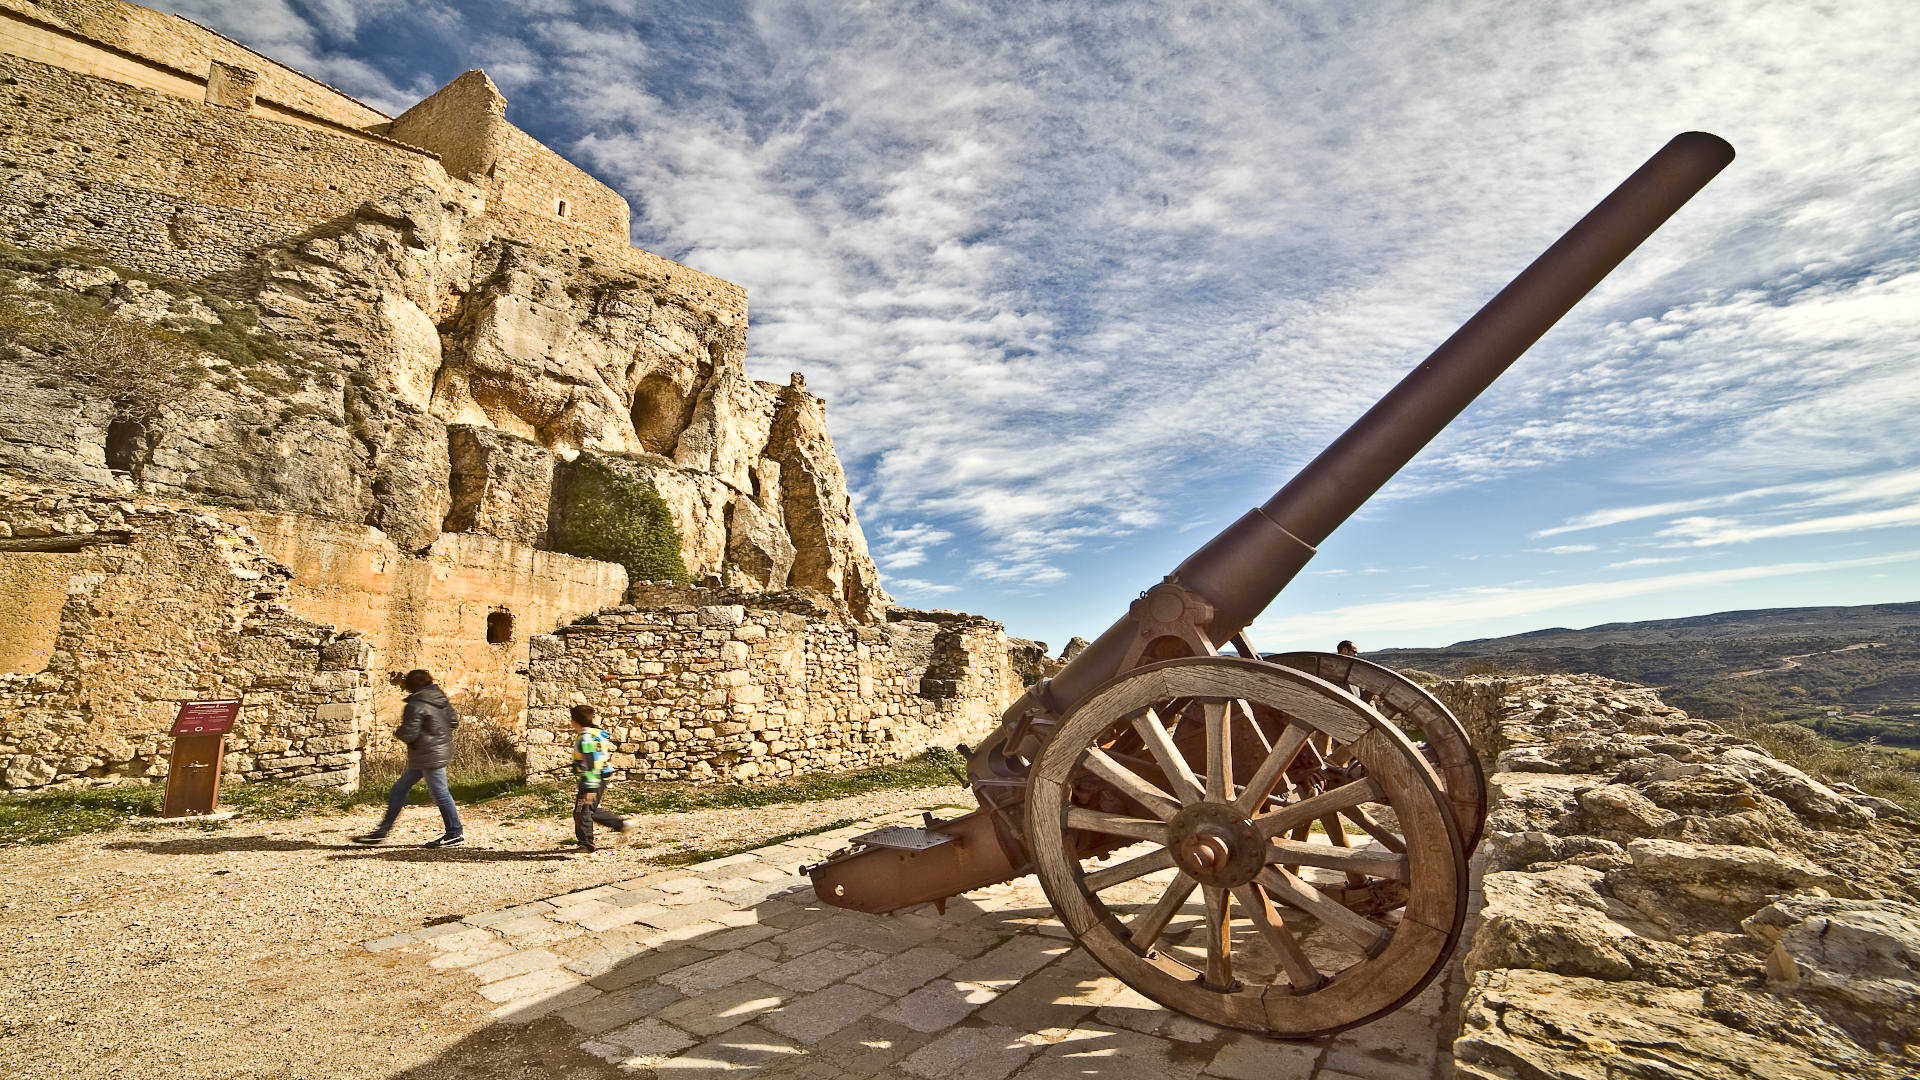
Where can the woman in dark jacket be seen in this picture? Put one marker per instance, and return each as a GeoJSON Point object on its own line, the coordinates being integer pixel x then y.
{"type": "Point", "coordinates": [426, 726]}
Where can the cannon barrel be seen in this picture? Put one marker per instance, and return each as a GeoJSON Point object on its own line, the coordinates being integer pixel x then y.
{"type": "Point", "coordinates": [1220, 588]}
{"type": "Point", "coordinates": [1241, 570]}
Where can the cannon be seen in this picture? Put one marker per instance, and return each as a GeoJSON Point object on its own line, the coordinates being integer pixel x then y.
{"type": "Point", "coordinates": [1322, 807]}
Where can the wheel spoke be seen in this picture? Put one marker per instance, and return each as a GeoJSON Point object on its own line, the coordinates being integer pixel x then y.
{"type": "Point", "coordinates": [1290, 890]}
{"type": "Point", "coordinates": [1244, 710]}
{"type": "Point", "coordinates": [1374, 829]}
{"type": "Point", "coordinates": [1219, 739]}
{"type": "Point", "coordinates": [1272, 769]}
{"type": "Point", "coordinates": [1160, 745]}
{"type": "Point", "coordinates": [1157, 802]}
{"type": "Point", "coordinates": [1219, 934]}
{"type": "Point", "coordinates": [1115, 825]}
{"type": "Point", "coordinates": [1146, 929]}
{"type": "Point", "coordinates": [1327, 802]}
{"type": "Point", "coordinates": [1127, 871]}
{"type": "Point", "coordinates": [1293, 959]}
{"type": "Point", "coordinates": [1295, 853]}
{"type": "Point", "coordinates": [1337, 836]}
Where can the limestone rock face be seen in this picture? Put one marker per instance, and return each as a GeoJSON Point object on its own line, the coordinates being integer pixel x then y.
{"type": "Point", "coordinates": [1663, 898]}
{"type": "Point", "coordinates": [349, 357]}
{"type": "Point", "coordinates": [1863, 952]}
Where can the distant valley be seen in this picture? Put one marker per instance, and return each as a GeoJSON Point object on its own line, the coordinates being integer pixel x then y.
{"type": "Point", "coordinates": [1850, 672]}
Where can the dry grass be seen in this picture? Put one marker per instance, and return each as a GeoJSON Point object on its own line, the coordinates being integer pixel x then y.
{"type": "Point", "coordinates": [1874, 769]}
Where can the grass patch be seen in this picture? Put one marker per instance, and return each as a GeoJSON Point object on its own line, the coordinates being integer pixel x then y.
{"type": "Point", "coordinates": [57, 815]}
{"type": "Point", "coordinates": [931, 768]}
{"type": "Point", "coordinates": [486, 768]}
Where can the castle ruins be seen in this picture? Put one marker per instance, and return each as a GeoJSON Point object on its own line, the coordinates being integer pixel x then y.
{"type": "Point", "coordinates": [346, 373]}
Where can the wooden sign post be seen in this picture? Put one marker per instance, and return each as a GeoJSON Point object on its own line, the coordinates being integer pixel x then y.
{"type": "Point", "coordinates": [199, 752]}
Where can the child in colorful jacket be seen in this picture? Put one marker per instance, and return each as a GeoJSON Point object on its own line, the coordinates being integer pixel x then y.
{"type": "Point", "coordinates": [593, 764]}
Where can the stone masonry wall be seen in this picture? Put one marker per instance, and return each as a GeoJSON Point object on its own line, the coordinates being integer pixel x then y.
{"type": "Point", "coordinates": [1660, 898]}
{"type": "Point", "coordinates": [159, 604]}
{"type": "Point", "coordinates": [169, 185]}
{"type": "Point", "coordinates": [187, 46]}
{"type": "Point", "coordinates": [727, 691]}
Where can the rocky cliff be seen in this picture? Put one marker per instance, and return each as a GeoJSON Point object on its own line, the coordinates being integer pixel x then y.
{"type": "Point", "coordinates": [1662, 898]}
{"type": "Point", "coordinates": [324, 381]}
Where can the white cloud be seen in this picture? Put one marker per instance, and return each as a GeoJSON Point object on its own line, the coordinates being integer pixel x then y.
{"type": "Point", "coordinates": [1709, 532]}
{"type": "Point", "coordinates": [1569, 549]}
{"type": "Point", "coordinates": [1482, 605]}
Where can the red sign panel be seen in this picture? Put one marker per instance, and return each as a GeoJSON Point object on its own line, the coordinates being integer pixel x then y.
{"type": "Point", "coordinates": [206, 717]}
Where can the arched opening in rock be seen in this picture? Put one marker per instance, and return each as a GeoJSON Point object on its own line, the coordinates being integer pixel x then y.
{"type": "Point", "coordinates": [660, 413]}
{"type": "Point", "coordinates": [499, 627]}
{"type": "Point", "coordinates": [126, 445]}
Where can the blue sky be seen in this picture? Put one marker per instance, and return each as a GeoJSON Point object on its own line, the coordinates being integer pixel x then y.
{"type": "Point", "coordinates": [1084, 281]}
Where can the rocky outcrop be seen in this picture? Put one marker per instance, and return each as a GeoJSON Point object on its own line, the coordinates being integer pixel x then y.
{"type": "Point", "coordinates": [1663, 898]}
{"type": "Point", "coordinates": [412, 368]}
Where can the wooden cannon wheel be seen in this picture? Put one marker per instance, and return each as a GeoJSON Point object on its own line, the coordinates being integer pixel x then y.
{"type": "Point", "coordinates": [1431, 726]}
{"type": "Point", "coordinates": [1278, 943]}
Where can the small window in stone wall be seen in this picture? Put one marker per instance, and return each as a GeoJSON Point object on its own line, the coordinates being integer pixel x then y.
{"type": "Point", "coordinates": [561, 208]}
{"type": "Point", "coordinates": [499, 627]}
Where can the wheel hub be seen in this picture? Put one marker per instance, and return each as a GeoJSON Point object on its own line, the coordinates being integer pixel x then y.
{"type": "Point", "coordinates": [1215, 844]}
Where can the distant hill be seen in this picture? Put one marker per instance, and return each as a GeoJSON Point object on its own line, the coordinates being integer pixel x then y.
{"type": "Point", "coordinates": [1851, 672]}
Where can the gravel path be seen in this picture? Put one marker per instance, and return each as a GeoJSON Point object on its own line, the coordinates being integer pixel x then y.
{"type": "Point", "coordinates": [177, 952]}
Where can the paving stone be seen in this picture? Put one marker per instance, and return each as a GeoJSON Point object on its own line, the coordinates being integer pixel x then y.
{"type": "Point", "coordinates": [517, 963]}
{"type": "Point", "coordinates": [738, 937]}
{"type": "Point", "coordinates": [822, 967]}
{"type": "Point", "coordinates": [608, 1011]}
{"type": "Point", "coordinates": [717, 972]}
{"type": "Point", "coordinates": [1054, 998]}
{"type": "Point", "coordinates": [1112, 1054]}
{"type": "Point", "coordinates": [1249, 1057]}
{"type": "Point", "coordinates": [899, 974]}
{"type": "Point", "coordinates": [975, 1053]}
{"type": "Point", "coordinates": [968, 941]}
{"type": "Point", "coordinates": [462, 939]}
{"type": "Point", "coordinates": [642, 1044]}
{"type": "Point", "coordinates": [675, 916]}
{"type": "Point", "coordinates": [937, 1005]}
{"type": "Point", "coordinates": [647, 965]}
{"type": "Point", "coordinates": [508, 914]}
{"type": "Point", "coordinates": [536, 930]}
{"type": "Point", "coordinates": [543, 1002]}
{"type": "Point", "coordinates": [716, 1011]}
{"type": "Point", "coordinates": [742, 1049]}
{"type": "Point", "coordinates": [471, 957]}
{"type": "Point", "coordinates": [609, 917]}
{"type": "Point", "coordinates": [1006, 965]}
{"type": "Point", "coordinates": [529, 984]}
{"type": "Point", "coordinates": [817, 1015]}
{"type": "Point", "coordinates": [676, 886]}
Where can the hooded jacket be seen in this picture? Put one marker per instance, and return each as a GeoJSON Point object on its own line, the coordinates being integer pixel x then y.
{"type": "Point", "coordinates": [426, 726]}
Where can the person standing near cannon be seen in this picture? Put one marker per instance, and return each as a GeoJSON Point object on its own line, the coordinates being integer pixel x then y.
{"type": "Point", "coordinates": [427, 723]}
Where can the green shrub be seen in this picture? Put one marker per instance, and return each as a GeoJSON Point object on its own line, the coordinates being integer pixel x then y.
{"type": "Point", "coordinates": [620, 519]}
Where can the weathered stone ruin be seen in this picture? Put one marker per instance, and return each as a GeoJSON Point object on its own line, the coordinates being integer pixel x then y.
{"type": "Point", "coordinates": [382, 349]}
{"type": "Point", "coordinates": [1659, 898]}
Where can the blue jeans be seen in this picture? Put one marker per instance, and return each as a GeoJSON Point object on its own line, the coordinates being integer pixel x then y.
{"type": "Point", "coordinates": [436, 786]}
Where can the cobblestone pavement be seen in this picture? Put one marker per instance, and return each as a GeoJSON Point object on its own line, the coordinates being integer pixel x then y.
{"type": "Point", "coordinates": [733, 966]}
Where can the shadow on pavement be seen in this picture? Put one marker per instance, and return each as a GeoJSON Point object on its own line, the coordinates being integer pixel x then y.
{"type": "Point", "coordinates": [215, 844]}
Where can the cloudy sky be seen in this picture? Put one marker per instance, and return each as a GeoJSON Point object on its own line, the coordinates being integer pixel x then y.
{"type": "Point", "coordinates": [1084, 281]}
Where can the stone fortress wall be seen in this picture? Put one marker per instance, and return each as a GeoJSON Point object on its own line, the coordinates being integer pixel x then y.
{"type": "Point", "coordinates": [692, 687]}
{"type": "Point", "coordinates": [149, 604]}
{"type": "Point", "coordinates": [466, 317]}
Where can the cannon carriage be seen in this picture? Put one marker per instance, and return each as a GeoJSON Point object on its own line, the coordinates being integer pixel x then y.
{"type": "Point", "coordinates": [1287, 792]}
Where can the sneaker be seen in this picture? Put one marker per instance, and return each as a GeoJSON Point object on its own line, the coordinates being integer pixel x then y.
{"type": "Point", "coordinates": [369, 838]}
{"type": "Point", "coordinates": [445, 841]}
